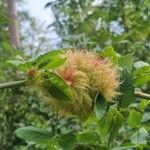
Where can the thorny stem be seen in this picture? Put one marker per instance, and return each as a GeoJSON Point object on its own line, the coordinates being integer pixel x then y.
{"type": "Point", "coordinates": [23, 83]}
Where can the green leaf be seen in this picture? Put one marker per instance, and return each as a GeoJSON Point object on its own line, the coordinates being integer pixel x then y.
{"type": "Point", "coordinates": [110, 53]}
{"type": "Point", "coordinates": [126, 89]}
{"type": "Point", "coordinates": [126, 147]}
{"type": "Point", "coordinates": [134, 119]}
{"type": "Point", "coordinates": [67, 141]}
{"type": "Point", "coordinates": [100, 106]}
{"type": "Point", "coordinates": [88, 137]}
{"type": "Point", "coordinates": [141, 76]}
{"type": "Point", "coordinates": [116, 125]}
{"type": "Point", "coordinates": [15, 62]}
{"type": "Point", "coordinates": [56, 63]}
{"type": "Point", "coordinates": [140, 137]}
{"type": "Point", "coordinates": [4, 19]}
{"type": "Point", "coordinates": [105, 124]}
{"type": "Point", "coordinates": [50, 60]}
{"type": "Point", "coordinates": [55, 86]}
{"type": "Point", "coordinates": [6, 46]}
{"type": "Point", "coordinates": [146, 117]}
{"type": "Point", "coordinates": [126, 62]}
{"type": "Point", "coordinates": [20, 63]}
{"type": "Point", "coordinates": [110, 124]}
{"type": "Point", "coordinates": [33, 134]}
{"type": "Point", "coordinates": [18, 57]}
{"type": "Point", "coordinates": [143, 104]}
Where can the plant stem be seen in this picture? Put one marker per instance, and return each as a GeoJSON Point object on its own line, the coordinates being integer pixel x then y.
{"type": "Point", "coordinates": [22, 83]}
{"type": "Point", "coordinates": [142, 95]}
{"type": "Point", "coordinates": [12, 84]}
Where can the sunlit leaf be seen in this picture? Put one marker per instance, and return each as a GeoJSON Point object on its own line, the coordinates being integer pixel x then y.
{"type": "Point", "coordinates": [56, 63]}
{"type": "Point", "coordinates": [50, 60]}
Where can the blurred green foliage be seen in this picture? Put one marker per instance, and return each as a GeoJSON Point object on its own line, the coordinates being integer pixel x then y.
{"type": "Point", "coordinates": [124, 24]}
{"type": "Point", "coordinates": [15, 103]}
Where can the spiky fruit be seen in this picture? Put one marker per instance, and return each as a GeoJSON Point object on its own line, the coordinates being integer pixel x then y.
{"type": "Point", "coordinates": [86, 74]}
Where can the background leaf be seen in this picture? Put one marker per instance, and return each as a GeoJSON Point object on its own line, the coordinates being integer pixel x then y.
{"type": "Point", "coordinates": [7, 47]}
{"type": "Point", "coordinates": [88, 137]}
{"type": "Point", "coordinates": [15, 62]}
{"type": "Point", "coordinates": [109, 52]}
{"type": "Point", "coordinates": [126, 89]}
{"type": "Point", "coordinates": [33, 134]}
{"type": "Point", "coordinates": [129, 146]}
{"type": "Point", "coordinates": [126, 62]}
{"type": "Point", "coordinates": [140, 64]}
{"type": "Point", "coordinates": [4, 19]}
{"type": "Point", "coordinates": [139, 137]}
{"type": "Point", "coordinates": [134, 119]}
{"type": "Point", "coordinates": [20, 63]}
{"type": "Point", "coordinates": [105, 124]}
{"type": "Point", "coordinates": [117, 123]}
{"type": "Point", "coordinates": [67, 141]}
{"type": "Point", "coordinates": [141, 75]}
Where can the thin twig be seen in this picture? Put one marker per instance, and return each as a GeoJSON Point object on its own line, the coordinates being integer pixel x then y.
{"type": "Point", "coordinates": [12, 84]}
{"type": "Point", "coordinates": [142, 95]}
{"type": "Point", "coordinates": [22, 83]}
